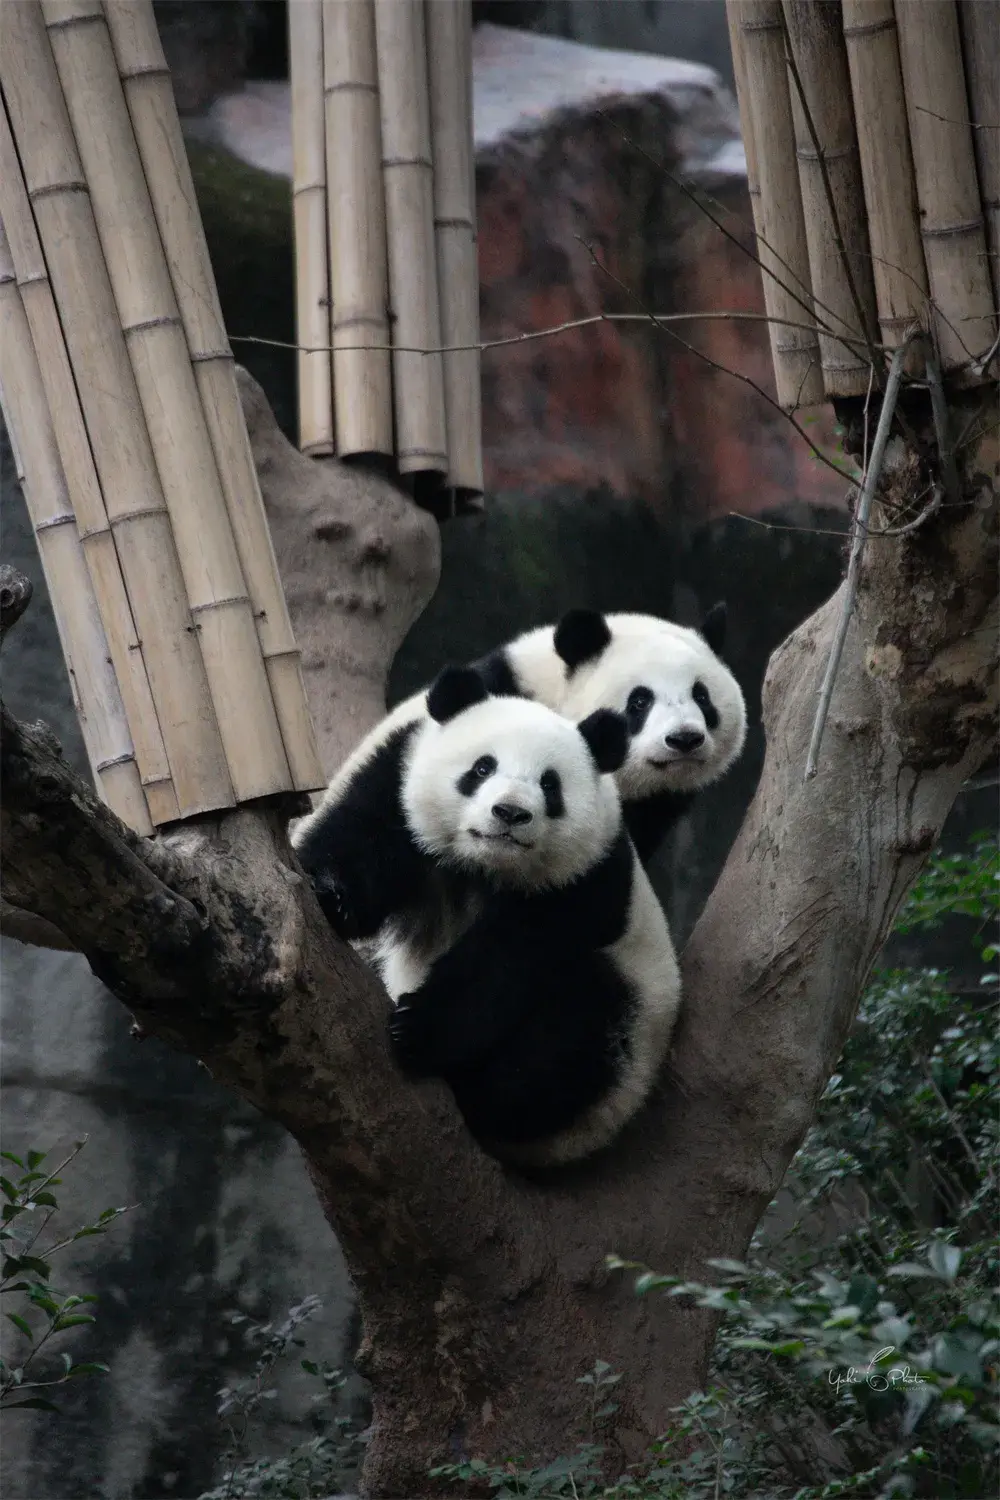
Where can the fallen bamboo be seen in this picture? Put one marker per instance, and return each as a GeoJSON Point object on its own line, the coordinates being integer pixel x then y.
{"type": "Point", "coordinates": [832, 194]}
{"type": "Point", "coordinates": [449, 63]}
{"type": "Point", "coordinates": [951, 219]}
{"type": "Point", "coordinates": [146, 79]}
{"type": "Point", "coordinates": [312, 276]}
{"type": "Point", "coordinates": [98, 702]}
{"type": "Point", "coordinates": [62, 409]}
{"type": "Point", "coordinates": [356, 227]}
{"type": "Point", "coordinates": [150, 321]}
{"type": "Point", "coordinates": [408, 178]}
{"type": "Point", "coordinates": [115, 422]}
{"type": "Point", "coordinates": [758, 32]}
{"type": "Point", "coordinates": [979, 21]}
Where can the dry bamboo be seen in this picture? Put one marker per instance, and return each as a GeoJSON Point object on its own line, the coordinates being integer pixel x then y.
{"type": "Point", "coordinates": [979, 21]}
{"type": "Point", "coordinates": [356, 226]}
{"type": "Point", "coordinates": [757, 30]}
{"type": "Point", "coordinates": [146, 79]}
{"type": "Point", "coordinates": [84, 491]}
{"type": "Point", "coordinates": [408, 177]}
{"type": "Point", "coordinates": [951, 218]}
{"type": "Point", "coordinates": [92, 678]}
{"type": "Point", "coordinates": [312, 275]}
{"type": "Point", "coordinates": [886, 166]}
{"type": "Point", "coordinates": [832, 194]}
{"type": "Point", "coordinates": [115, 423]}
{"type": "Point", "coordinates": [150, 320]}
{"type": "Point", "coordinates": [449, 63]}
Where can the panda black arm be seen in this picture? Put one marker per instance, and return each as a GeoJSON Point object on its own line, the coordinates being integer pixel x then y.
{"type": "Point", "coordinates": [358, 853]}
{"type": "Point", "coordinates": [650, 820]}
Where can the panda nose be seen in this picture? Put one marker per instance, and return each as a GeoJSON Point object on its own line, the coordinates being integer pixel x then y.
{"type": "Point", "coordinates": [511, 814]}
{"type": "Point", "coordinates": [686, 740]}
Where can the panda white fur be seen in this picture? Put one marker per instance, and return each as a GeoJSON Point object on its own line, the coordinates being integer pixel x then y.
{"type": "Point", "coordinates": [687, 724]}
{"type": "Point", "coordinates": [550, 1014]}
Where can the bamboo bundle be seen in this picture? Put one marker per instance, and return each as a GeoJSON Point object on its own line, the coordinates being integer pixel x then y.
{"type": "Point", "coordinates": [757, 33]}
{"type": "Point", "coordinates": [150, 320]}
{"type": "Point", "coordinates": [979, 21]}
{"type": "Point", "coordinates": [74, 603]}
{"type": "Point", "coordinates": [886, 166]}
{"type": "Point", "coordinates": [79, 475]}
{"type": "Point", "coordinates": [142, 67]}
{"type": "Point", "coordinates": [115, 423]}
{"type": "Point", "coordinates": [449, 61]}
{"type": "Point", "coordinates": [832, 194]}
{"type": "Point", "coordinates": [312, 276]}
{"type": "Point", "coordinates": [356, 226]}
{"type": "Point", "coordinates": [408, 176]}
{"type": "Point", "coordinates": [951, 220]}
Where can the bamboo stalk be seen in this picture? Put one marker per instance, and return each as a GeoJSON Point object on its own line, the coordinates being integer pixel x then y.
{"type": "Point", "coordinates": [979, 21]}
{"type": "Point", "coordinates": [449, 63]}
{"type": "Point", "coordinates": [148, 93]}
{"type": "Point", "coordinates": [115, 422]}
{"type": "Point", "coordinates": [95, 689]}
{"type": "Point", "coordinates": [408, 178]}
{"type": "Point", "coordinates": [886, 166]}
{"type": "Point", "coordinates": [951, 218]}
{"type": "Point", "coordinates": [150, 320]}
{"type": "Point", "coordinates": [312, 276]}
{"type": "Point", "coordinates": [757, 31]}
{"type": "Point", "coordinates": [832, 194]}
{"type": "Point", "coordinates": [83, 487]}
{"type": "Point", "coordinates": [356, 227]}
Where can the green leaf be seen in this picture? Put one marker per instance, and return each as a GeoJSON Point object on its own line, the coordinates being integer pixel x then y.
{"type": "Point", "coordinates": [34, 1157]}
{"type": "Point", "coordinates": [22, 1324]}
{"type": "Point", "coordinates": [45, 1199]}
{"type": "Point", "coordinates": [9, 1156]}
{"type": "Point", "coordinates": [33, 1263]}
{"type": "Point", "coordinates": [944, 1259]}
{"type": "Point", "coordinates": [734, 1267]}
{"type": "Point", "coordinates": [38, 1402]}
{"type": "Point", "coordinates": [9, 1190]}
{"type": "Point", "coordinates": [93, 1367]}
{"type": "Point", "coordinates": [72, 1321]}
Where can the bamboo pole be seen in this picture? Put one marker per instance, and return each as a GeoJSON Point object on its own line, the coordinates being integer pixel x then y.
{"type": "Point", "coordinates": [356, 226]}
{"type": "Point", "coordinates": [886, 166]}
{"type": "Point", "coordinates": [951, 218]}
{"type": "Point", "coordinates": [313, 320]}
{"type": "Point", "coordinates": [92, 678]}
{"type": "Point", "coordinates": [142, 67]}
{"type": "Point", "coordinates": [449, 62]}
{"type": "Point", "coordinates": [832, 194]}
{"type": "Point", "coordinates": [979, 21]}
{"type": "Point", "coordinates": [757, 31]}
{"type": "Point", "coordinates": [150, 320]}
{"type": "Point", "coordinates": [408, 177]}
{"type": "Point", "coordinates": [110, 401]}
{"type": "Point", "coordinates": [62, 408]}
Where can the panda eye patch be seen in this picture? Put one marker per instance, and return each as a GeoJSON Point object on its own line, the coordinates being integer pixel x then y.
{"type": "Point", "coordinates": [484, 766]}
{"type": "Point", "coordinates": [703, 698]}
{"type": "Point", "coordinates": [551, 785]}
{"type": "Point", "coordinates": [640, 701]}
{"type": "Point", "coordinates": [480, 770]}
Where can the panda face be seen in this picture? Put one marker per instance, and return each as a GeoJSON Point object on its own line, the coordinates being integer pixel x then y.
{"type": "Point", "coordinates": [510, 790]}
{"type": "Point", "coordinates": [684, 710]}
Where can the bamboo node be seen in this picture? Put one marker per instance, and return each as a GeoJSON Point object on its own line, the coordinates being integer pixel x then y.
{"type": "Point", "coordinates": [455, 224]}
{"type": "Point", "coordinates": [198, 609]}
{"type": "Point", "coordinates": [408, 161]}
{"type": "Point", "coordinates": [168, 320]}
{"type": "Point", "coordinates": [870, 28]}
{"type": "Point", "coordinates": [153, 71]}
{"type": "Point", "coordinates": [67, 23]}
{"type": "Point", "coordinates": [944, 231]}
{"type": "Point", "coordinates": [351, 88]}
{"type": "Point", "coordinates": [64, 519]}
{"type": "Point", "coordinates": [113, 760]}
{"type": "Point", "coordinates": [807, 153]}
{"type": "Point", "coordinates": [49, 189]}
{"type": "Point", "coordinates": [205, 356]}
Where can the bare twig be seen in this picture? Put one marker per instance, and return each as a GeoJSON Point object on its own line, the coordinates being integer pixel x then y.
{"type": "Point", "coordinates": [939, 412]}
{"type": "Point", "coordinates": [872, 477]}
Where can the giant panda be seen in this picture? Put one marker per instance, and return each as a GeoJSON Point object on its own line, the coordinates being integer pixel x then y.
{"type": "Point", "coordinates": [550, 1014]}
{"type": "Point", "coordinates": [687, 724]}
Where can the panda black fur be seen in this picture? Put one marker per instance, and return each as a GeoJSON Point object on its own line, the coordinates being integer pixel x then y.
{"type": "Point", "coordinates": [353, 845]}
{"type": "Point", "coordinates": [550, 1014]}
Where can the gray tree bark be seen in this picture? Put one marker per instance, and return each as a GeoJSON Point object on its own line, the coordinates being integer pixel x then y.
{"type": "Point", "coordinates": [484, 1294]}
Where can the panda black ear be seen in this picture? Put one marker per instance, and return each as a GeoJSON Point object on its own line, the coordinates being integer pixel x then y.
{"type": "Point", "coordinates": [581, 635]}
{"type": "Point", "coordinates": [607, 738]}
{"type": "Point", "coordinates": [713, 627]}
{"type": "Point", "coordinates": [452, 691]}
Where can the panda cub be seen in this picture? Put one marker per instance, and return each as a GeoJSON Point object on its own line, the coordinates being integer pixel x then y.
{"type": "Point", "coordinates": [550, 1014]}
{"type": "Point", "coordinates": [686, 720]}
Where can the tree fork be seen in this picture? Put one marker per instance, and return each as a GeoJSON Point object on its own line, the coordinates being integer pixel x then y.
{"type": "Point", "coordinates": [483, 1293]}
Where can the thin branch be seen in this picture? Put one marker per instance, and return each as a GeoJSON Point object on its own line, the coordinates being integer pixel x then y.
{"type": "Point", "coordinates": [714, 364]}
{"type": "Point", "coordinates": [939, 411]}
{"type": "Point", "coordinates": [523, 338]}
{"type": "Point", "coordinates": [872, 477]}
{"type": "Point", "coordinates": [946, 120]}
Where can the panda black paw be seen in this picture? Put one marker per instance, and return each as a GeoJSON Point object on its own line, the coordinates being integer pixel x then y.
{"type": "Point", "coordinates": [410, 1037]}
{"type": "Point", "coordinates": [337, 907]}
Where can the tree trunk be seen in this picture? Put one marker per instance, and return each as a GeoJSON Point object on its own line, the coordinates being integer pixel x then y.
{"type": "Point", "coordinates": [484, 1294]}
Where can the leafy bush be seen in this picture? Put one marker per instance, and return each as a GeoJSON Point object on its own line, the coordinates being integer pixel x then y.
{"type": "Point", "coordinates": [45, 1313]}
